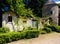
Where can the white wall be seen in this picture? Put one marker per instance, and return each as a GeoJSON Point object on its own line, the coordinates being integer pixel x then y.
{"type": "Point", "coordinates": [11, 25]}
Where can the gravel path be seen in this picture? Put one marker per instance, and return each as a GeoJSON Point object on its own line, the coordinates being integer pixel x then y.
{"type": "Point", "coordinates": [52, 38]}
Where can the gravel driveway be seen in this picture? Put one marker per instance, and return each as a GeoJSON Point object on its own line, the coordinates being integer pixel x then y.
{"type": "Point", "coordinates": [52, 38]}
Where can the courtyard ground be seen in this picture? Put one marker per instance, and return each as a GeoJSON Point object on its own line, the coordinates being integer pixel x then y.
{"type": "Point", "coordinates": [51, 38]}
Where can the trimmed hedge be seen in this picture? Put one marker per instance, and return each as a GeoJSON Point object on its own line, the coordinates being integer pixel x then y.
{"type": "Point", "coordinates": [29, 28]}
{"type": "Point", "coordinates": [13, 36]}
{"type": "Point", "coordinates": [57, 29]}
{"type": "Point", "coordinates": [31, 33]}
{"type": "Point", "coordinates": [42, 32]}
{"type": "Point", "coordinates": [54, 28]}
{"type": "Point", "coordinates": [4, 30]}
{"type": "Point", "coordinates": [48, 30]}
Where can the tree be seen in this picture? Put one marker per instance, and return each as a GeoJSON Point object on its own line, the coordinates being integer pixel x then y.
{"type": "Point", "coordinates": [36, 5]}
{"type": "Point", "coordinates": [18, 7]}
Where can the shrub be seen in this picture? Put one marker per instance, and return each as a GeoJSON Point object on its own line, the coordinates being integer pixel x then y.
{"type": "Point", "coordinates": [2, 39]}
{"type": "Point", "coordinates": [48, 30]}
{"type": "Point", "coordinates": [32, 33]}
{"type": "Point", "coordinates": [29, 28]}
{"type": "Point", "coordinates": [4, 30]}
{"type": "Point", "coordinates": [42, 32]}
{"type": "Point", "coordinates": [57, 28]}
{"type": "Point", "coordinates": [13, 36]}
{"type": "Point", "coordinates": [54, 28]}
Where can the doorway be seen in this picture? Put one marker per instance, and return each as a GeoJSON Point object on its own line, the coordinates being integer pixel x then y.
{"type": "Point", "coordinates": [0, 19]}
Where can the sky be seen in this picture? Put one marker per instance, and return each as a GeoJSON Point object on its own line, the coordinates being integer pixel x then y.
{"type": "Point", "coordinates": [57, 1]}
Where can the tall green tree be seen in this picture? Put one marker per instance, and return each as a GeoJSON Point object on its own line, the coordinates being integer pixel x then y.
{"type": "Point", "coordinates": [36, 5]}
{"type": "Point", "coordinates": [19, 7]}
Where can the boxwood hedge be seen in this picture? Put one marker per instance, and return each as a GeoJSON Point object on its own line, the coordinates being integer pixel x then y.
{"type": "Point", "coordinates": [13, 36]}
{"type": "Point", "coordinates": [54, 28]}
{"type": "Point", "coordinates": [4, 30]}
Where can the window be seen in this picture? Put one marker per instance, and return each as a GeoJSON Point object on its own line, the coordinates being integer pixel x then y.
{"type": "Point", "coordinates": [50, 12]}
{"type": "Point", "coordinates": [9, 18]}
{"type": "Point", "coordinates": [59, 6]}
{"type": "Point", "coordinates": [34, 24]}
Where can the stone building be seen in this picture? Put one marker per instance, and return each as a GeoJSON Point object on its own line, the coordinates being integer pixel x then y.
{"type": "Point", "coordinates": [10, 20]}
{"type": "Point", "coordinates": [51, 9]}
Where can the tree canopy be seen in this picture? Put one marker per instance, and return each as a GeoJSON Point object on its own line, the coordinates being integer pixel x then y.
{"type": "Point", "coordinates": [36, 5]}
{"type": "Point", "coordinates": [32, 8]}
{"type": "Point", "coordinates": [18, 7]}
